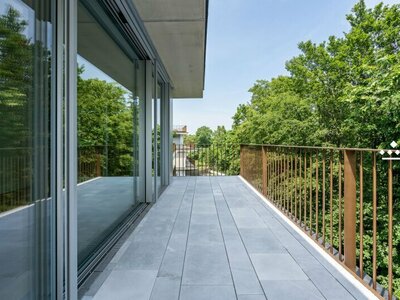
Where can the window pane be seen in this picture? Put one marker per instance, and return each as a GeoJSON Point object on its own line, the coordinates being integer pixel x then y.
{"type": "Point", "coordinates": [25, 116]}
{"type": "Point", "coordinates": [108, 140]}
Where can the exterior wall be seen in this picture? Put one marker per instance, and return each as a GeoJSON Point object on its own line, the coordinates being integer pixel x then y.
{"type": "Point", "coordinates": [75, 156]}
{"type": "Point", "coordinates": [178, 140]}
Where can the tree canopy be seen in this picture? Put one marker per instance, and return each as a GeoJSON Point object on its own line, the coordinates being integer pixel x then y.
{"type": "Point", "coordinates": [204, 135]}
{"type": "Point", "coordinates": [343, 92]}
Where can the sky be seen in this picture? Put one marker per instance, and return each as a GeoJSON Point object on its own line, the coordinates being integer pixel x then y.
{"type": "Point", "coordinates": [248, 40]}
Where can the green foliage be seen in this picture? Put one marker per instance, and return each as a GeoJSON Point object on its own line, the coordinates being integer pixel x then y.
{"type": "Point", "coordinates": [204, 135]}
{"type": "Point", "coordinates": [17, 114]}
{"type": "Point", "coordinates": [189, 139]}
{"type": "Point", "coordinates": [106, 125]}
{"type": "Point", "coordinates": [16, 73]}
{"type": "Point", "coordinates": [343, 92]}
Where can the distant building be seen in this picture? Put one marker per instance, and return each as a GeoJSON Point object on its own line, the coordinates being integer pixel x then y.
{"type": "Point", "coordinates": [179, 133]}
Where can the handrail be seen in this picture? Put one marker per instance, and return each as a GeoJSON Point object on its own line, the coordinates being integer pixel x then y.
{"type": "Point", "coordinates": [318, 148]}
{"type": "Point", "coordinates": [331, 194]}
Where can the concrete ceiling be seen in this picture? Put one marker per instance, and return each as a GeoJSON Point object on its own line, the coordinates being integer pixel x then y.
{"type": "Point", "coordinates": [178, 31]}
{"type": "Point", "coordinates": [97, 47]}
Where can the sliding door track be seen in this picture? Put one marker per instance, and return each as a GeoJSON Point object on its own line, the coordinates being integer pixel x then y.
{"type": "Point", "coordinates": [112, 244]}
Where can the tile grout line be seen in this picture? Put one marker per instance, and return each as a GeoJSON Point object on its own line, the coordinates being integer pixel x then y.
{"type": "Point", "coordinates": [288, 252]}
{"type": "Point", "coordinates": [244, 245]}
{"type": "Point", "coordinates": [223, 239]}
{"type": "Point", "coordinates": [305, 248]}
{"type": "Point", "coordinates": [187, 237]}
{"type": "Point", "coordinates": [169, 238]}
{"type": "Point", "coordinates": [241, 239]}
{"type": "Point", "coordinates": [302, 237]}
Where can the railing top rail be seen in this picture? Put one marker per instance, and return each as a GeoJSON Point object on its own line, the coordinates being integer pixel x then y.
{"type": "Point", "coordinates": [316, 148]}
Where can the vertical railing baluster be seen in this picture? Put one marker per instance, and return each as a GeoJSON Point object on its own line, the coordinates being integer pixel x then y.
{"type": "Point", "coordinates": [311, 207]}
{"type": "Point", "coordinates": [323, 198]}
{"type": "Point", "coordinates": [273, 190]}
{"type": "Point", "coordinates": [350, 210]}
{"type": "Point", "coordinates": [269, 173]}
{"type": "Point", "coordinates": [295, 182]}
{"type": "Point", "coordinates": [316, 197]}
{"type": "Point", "coordinates": [278, 162]}
{"type": "Point", "coordinates": [279, 178]}
{"type": "Point", "coordinates": [286, 176]}
{"type": "Point", "coordinates": [282, 171]}
{"type": "Point", "coordinates": [264, 171]}
{"type": "Point", "coordinates": [331, 200]}
{"type": "Point", "coordinates": [361, 216]}
{"type": "Point", "coordinates": [180, 159]}
{"type": "Point", "coordinates": [282, 177]}
{"type": "Point", "coordinates": [305, 189]}
{"type": "Point", "coordinates": [340, 205]}
{"type": "Point", "coordinates": [300, 183]}
{"type": "Point", "coordinates": [192, 152]}
{"type": "Point", "coordinates": [276, 178]}
{"type": "Point", "coordinates": [374, 221]}
{"type": "Point", "coordinates": [390, 229]}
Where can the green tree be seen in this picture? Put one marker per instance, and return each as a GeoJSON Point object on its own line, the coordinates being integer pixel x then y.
{"type": "Point", "coordinates": [16, 81]}
{"type": "Point", "coordinates": [106, 124]}
{"type": "Point", "coordinates": [219, 135]}
{"type": "Point", "coordinates": [343, 92]}
{"type": "Point", "coordinates": [189, 139]}
{"type": "Point", "coordinates": [204, 135]}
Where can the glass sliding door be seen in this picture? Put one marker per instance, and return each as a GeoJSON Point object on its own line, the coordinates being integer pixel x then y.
{"type": "Point", "coordinates": [160, 130]}
{"type": "Point", "coordinates": [26, 113]}
{"type": "Point", "coordinates": [109, 125]}
{"type": "Point", "coordinates": [156, 140]}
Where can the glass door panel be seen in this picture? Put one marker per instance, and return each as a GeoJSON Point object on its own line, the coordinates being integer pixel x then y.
{"type": "Point", "coordinates": [108, 135]}
{"type": "Point", "coordinates": [158, 136]}
{"type": "Point", "coordinates": [26, 111]}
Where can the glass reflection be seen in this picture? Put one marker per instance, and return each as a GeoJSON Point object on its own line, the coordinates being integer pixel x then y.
{"type": "Point", "coordinates": [25, 114]}
{"type": "Point", "coordinates": [158, 136]}
{"type": "Point", "coordinates": [108, 136]}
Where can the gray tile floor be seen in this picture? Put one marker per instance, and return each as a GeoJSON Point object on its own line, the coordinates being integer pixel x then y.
{"type": "Point", "coordinates": [213, 238]}
{"type": "Point", "coordinates": [102, 203]}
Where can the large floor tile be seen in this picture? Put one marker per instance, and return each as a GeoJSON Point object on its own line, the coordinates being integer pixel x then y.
{"type": "Point", "coordinates": [206, 265]}
{"type": "Point", "coordinates": [291, 289]}
{"type": "Point", "coordinates": [127, 285]}
{"type": "Point", "coordinates": [166, 288]}
{"type": "Point", "coordinates": [261, 240]}
{"type": "Point", "coordinates": [207, 292]}
{"type": "Point", "coordinates": [213, 238]}
{"type": "Point", "coordinates": [277, 267]}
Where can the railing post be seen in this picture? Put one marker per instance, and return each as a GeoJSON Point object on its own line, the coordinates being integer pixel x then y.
{"type": "Point", "coordinates": [264, 170]}
{"type": "Point", "coordinates": [350, 209]}
{"type": "Point", "coordinates": [241, 161]}
{"type": "Point", "coordinates": [98, 165]}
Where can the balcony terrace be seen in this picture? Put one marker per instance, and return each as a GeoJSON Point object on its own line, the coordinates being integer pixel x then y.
{"type": "Point", "coordinates": [217, 238]}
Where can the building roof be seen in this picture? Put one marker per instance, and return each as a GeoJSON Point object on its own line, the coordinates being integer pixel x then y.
{"type": "Point", "coordinates": [180, 129]}
{"type": "Point", "coordinates": [178, 29]}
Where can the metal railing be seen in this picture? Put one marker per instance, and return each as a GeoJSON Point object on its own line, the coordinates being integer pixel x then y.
{"type": "Point", "coordinates": [15, 177]}
{"type": "Point", "coordinates": [90, 162]}
{"type": "Point", "coordinates": [16, 170]}
{"type": "Point", "coordinates": [204, 160]}
{"type": "Point", "coordinates": [342, 198]}
{"type": "Point", "coordinates": [106, 160]}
